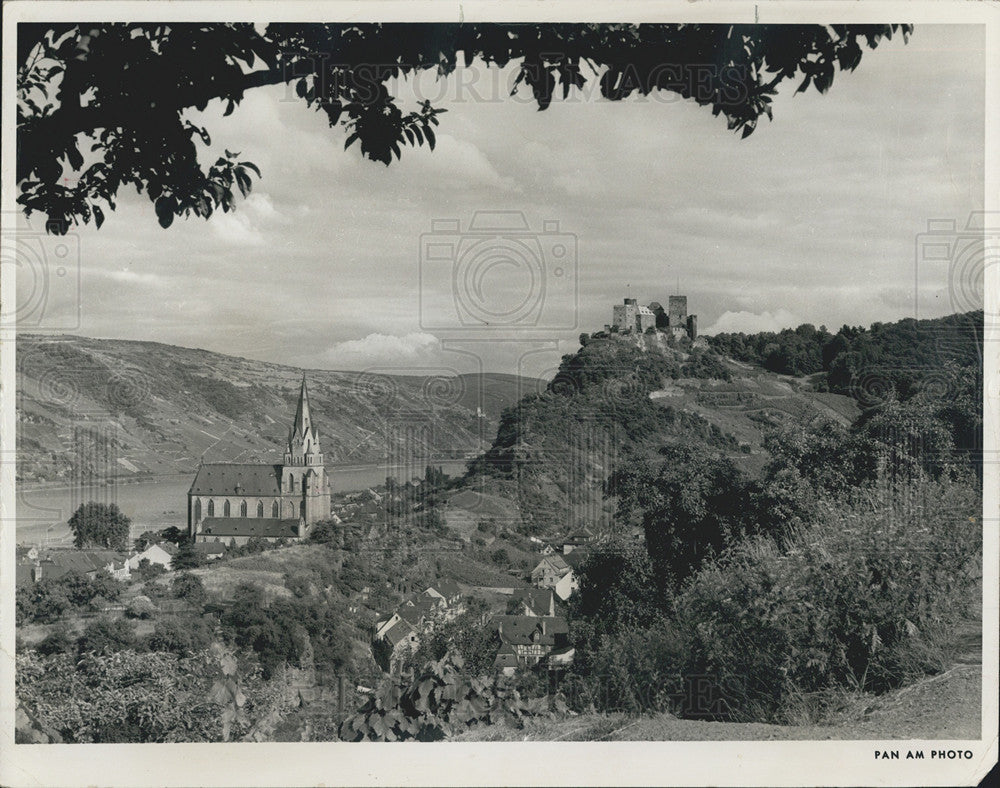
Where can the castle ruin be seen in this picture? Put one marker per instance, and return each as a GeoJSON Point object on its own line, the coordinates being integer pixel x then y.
{"type": "Point", "coordinates": [629, 316]}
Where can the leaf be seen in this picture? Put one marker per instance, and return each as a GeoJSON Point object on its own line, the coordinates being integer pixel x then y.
{"type": "Point", "coordinates": [430, 136]}
{"type": "Point", "coordinates": [165, 211]}
{"type": "Point", "coordinates": [350, 140]}
{"type": "Point", "coordinates": [243, 182]}
{"type": "Point", "coordinates": [98, 216]}
{"type": "Point", "coordinates": [228, 664]}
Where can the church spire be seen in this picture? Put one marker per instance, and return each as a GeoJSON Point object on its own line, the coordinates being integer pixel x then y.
{"type": "Point", "coordinates": [303, 438]}
{"type": "Point", "coordinates": [303, 421]}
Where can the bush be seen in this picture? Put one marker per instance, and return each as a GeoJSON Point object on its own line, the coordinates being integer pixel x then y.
{"type": "Point", "coordinates": [59, 641]}
{"type": "Point", "coordinates": [179, 636]}
{"type": "Point", "coordinates": [190, 588]}
{"type": "Point", "coordinates": [862, 599]}
{"type": "Point", "coordinates": [107, 636]}
{"type": "Point", "coordinates": [705, 364]}
{"type": "Point", "coordinates": [147, 570]}
{"type": "Point", "coordinates": [438, 702]}
{"type": "Point", "coordinates": [141, 607]}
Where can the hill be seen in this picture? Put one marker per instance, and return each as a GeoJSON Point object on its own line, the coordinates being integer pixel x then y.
{"type": "Point", "coordinates": [169, 406]}
{"type": "Point", "coordinates": [621, 398]}
{"type": "Point", "coordinates": [906, 356]}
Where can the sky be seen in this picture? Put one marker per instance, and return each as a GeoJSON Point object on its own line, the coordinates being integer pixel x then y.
{"type": "Point", "coordinates": [336, 262]}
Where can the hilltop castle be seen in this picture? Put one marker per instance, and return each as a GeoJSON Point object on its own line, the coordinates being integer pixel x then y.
{"type": "Point", "coordinates": [234, 502]}
{"type": "Point", "coordinates": [674, 319]}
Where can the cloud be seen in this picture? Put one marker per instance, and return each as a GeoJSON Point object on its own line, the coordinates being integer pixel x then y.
{"type": "Point", "coordinates": [752, 323]}
{"type": "Point", "coordinates": [383, 349]}
{"type": "Point", "coordinates": [126, 276]}
{"type": "Point", "coordinates": [236, 229]}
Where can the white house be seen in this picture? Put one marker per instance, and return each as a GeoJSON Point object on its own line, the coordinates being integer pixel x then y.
{"type": "Point", "coordinates": [566, 586]}
{"type": "Point", "coordinates": [156, 554]}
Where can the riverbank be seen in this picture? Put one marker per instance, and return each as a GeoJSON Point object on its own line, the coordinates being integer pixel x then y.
{"type": "Point", "coordinates": [159, 502]}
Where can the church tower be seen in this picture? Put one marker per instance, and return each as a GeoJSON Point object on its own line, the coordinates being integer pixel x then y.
{"type": "Point", "coordinates": [303, 438]}
{"type": "Point", "coordinates": [304, 475]}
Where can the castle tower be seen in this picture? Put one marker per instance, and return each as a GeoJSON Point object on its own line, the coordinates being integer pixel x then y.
{"type": "Point", "coordinates": [677, 307]}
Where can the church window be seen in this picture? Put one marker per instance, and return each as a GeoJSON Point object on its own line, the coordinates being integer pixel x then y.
{"type": "Point", "coordinates": [243, 509]}
{"type": "Point", "coordinates": [197, 509]}
{"type": "Point", "coordinates": [260, 508]}
{"type": "Point", "coordinates": [211, 508]}
{"type": "Point", "coordinates": [291, 509]}
{"type": "Point", "coordinates": [302, 509]}
{"type": "Point", "coordinates": [291, 482]}
{"type": "Point", "coordinates": [274, 509]}
{"type": "Point", "coordinates": [225, 509]}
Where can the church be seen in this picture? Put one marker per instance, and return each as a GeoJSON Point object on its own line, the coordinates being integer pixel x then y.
{"type": "Point", "coordinates": [233, 502]}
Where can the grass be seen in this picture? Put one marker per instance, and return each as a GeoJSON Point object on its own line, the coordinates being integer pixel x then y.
{"type": "Point", "coordinates": [940, 707]}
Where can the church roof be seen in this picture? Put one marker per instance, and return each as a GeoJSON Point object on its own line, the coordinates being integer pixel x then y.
{"type": "Point", "coordinates": [223, 478]}
{"type": "Point", "coordinates": [265, 527]}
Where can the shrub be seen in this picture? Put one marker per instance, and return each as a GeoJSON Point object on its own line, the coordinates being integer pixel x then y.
{"type": "Point", "coordinates": [141, 607]}
{"type": "Point", "coordinates": [439, 701]}
{"type": "Point", "coordinates": [107, 636]}
{"type": "Point", "coordinates": [190, 588]}
{"type": "Point", "coordinates": [179, 636]}
{"type": "Point", "coordinates": [860, 599]}
{"type": "Point", "coordinates": [59, 641]}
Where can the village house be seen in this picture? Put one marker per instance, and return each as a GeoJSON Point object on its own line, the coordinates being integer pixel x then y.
{"type": "Point", "coordinates": [210, 551]}
{"type": "Point", "coordinates": [535, 602]}
{"type": "Point", "coordinates": [556, 572]}
{"type": "Point", "coordinates": [158, 554]}
{"type": "Point", "coordinates": [530, 638]}
{"type": "Point", "coordinates": [89, 563]}
{"type": "Point", "coordinates": [446, 590]}
{"type": "Point", "coordinates": [576, 540]}
{"type": "Point", "coordinates": [549, 571]}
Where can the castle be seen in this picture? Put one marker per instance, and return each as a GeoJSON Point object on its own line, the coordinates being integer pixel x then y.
{"type": "Point", "coordinates": [232, 502]}
{"type": "Point", "coordinates": [629, 316]}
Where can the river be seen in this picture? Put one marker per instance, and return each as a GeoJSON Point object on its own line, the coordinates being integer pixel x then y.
{"type": "Point", "coordinates": [155, 504]}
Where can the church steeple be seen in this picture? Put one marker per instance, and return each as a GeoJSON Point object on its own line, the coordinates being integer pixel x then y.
{"type": "Point", "coordinates": [303, 421]}
{"type": "Point", "coordinates": [303, 439]}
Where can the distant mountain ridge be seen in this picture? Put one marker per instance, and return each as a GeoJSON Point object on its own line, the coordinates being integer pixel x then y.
{"type": "Point", "coordinates": [166, 407]}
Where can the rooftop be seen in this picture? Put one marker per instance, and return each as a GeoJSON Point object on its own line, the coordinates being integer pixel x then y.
{"type": "Point", "coordinates": [263, 527]}
{"type": "Point", "coordinates": [230, 478]}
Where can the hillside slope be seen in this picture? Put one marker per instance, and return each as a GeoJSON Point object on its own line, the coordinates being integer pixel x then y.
{"type": "Point", "coordinates": [620, 399]}
{"type": "Point", "coordinates": [169, 406]}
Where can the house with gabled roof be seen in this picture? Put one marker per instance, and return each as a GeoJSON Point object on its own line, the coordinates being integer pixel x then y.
{"type": "Point", "coordinates": [532, 638]}
{"type": "Point", "coordinates": [89, 563]}
{"type": "Point", "coordinates": [535, 602]}
{"type": "Point", "coordinates": [549, 571]}
{"type": "Point", "coordinates": [506, 661]}
{"type": "Point", "coordinates": [447, 590]}
{"type": "Point", "coordinates": [158, 554]}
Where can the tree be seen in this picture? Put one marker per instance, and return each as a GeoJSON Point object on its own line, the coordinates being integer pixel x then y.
{"type": "Point", "coordinates": [186, 556]}
{"type": "Point", "coordinates": [120, 91]}
{"type": "Point", "coordinates": [174, 534]}
{"type": "Point", "coordinates": [190, 588]}
{"type": "Point", "coordinates": [100, 525]}
{"type": "Point", "coordinates": [691, 507]}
